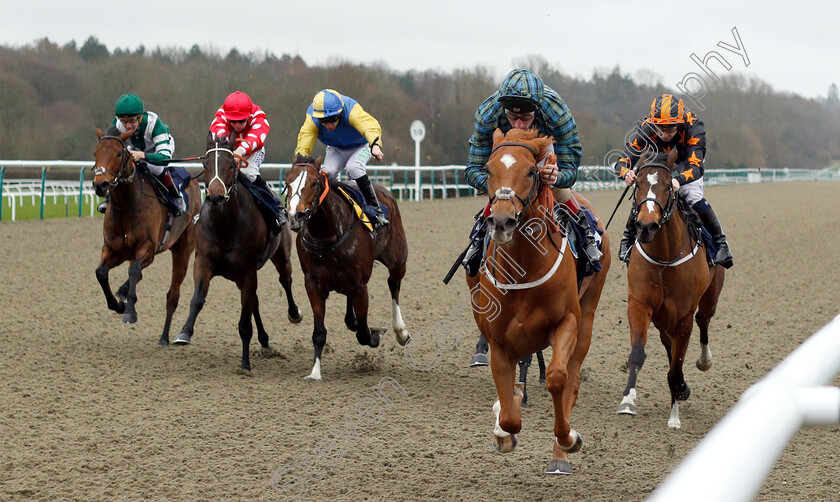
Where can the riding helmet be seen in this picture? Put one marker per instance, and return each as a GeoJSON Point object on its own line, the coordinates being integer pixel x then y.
{"type": "Point", "coordinates": [327, 103]}
{"type": "Point", "coordinates": [666, 109]}
{"type": "Point", "coordinates": [521, 91]}
{"type": "Point", "coordinates": [238, 106]}
{"type": "Point", "coordinates": [129, 105]}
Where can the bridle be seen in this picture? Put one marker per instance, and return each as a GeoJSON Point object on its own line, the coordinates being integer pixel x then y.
{"type": "Point", "coordinates": [236, 165]}
{"type": "Point", "coordinates": [668, 209]}
{"type": "Point", "coordinates": [507, 193]}
{"type": "Point", "coordinates": [323, 189]}
{"type": "Point", "coordinates": [125, 159]}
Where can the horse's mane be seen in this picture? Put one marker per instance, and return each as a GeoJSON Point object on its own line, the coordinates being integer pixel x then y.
{"type": "Point", "coordinates": [224, 142]}
{"type": "Point", "coordinates": [303, 159]}
{"type": "Point", "coordinates": [529, 136]}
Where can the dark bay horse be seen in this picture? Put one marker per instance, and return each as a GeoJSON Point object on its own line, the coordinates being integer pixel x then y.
{"type": "Point", "coordinates": [526, 296]}
{"type": "Point", "coordinates": [337, 253]}
{"type": "Point", "coordinates": [668, 279]}
{"type": "Point", "coordinates": [234, 242]}
{"type": "Point", "coordinates": [135, 227]}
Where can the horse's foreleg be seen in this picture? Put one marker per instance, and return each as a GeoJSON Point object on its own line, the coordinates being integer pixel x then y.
{"type": "Point", "coordinates": [639, 315]}
{"type": "Point", "coordinates": [262, 334]}
{"type": "Point", "coordinates": [479, 358]}
{"type": "Point", "coordinates": [122, 291]}
{"type": "Point", "coordinates": [507, 408]}
{"type": "Point", "coordinates": [350, 316]}
{"type": "Point", "coordinates": [201, 275]}
{"type": "Point", "coordinates": [318, 301]}
{"type": "Point", "coordinates": [248, 289]}
{"type": "Point", "coordinates": [181, 252]}
{"type": "Point", "coordinates": [557, 378]}
{"type": "Point", "coordinates": [364, 334]}
{"type": "Point", "coordinates": [107, 262]}
{"type": "Point", "coordinates": [524, 363]}
{"type": "Point", "coordinates": [395, 277]}
{"type": "Point", "coordinates": [705, 311]}
{"type": "Point", "coordinates": [283, 263]}
{"type": "Point", "coordinates": [135, 274]}
{"type": "Point", "coordinates": [680, 390]}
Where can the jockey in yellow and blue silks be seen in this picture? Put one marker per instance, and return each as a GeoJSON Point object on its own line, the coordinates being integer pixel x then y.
{"type": "Point", "coordinates": [352, 136]}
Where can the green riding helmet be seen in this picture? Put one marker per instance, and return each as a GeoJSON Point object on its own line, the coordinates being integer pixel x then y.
{"type": "Point", "coordinates": [129, 105]}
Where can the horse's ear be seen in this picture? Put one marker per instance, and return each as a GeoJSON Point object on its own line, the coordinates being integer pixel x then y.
{"type": "Point", "coordinates": [498, 136]}
{"type": "Point", "coordinates": [124, 136]}
{"type": "Point", "coordinates": [318, 161]}
{"type": "Point", "coordinates": [99, 133]}
{"type": "Point", "coordinates": [672, 157]}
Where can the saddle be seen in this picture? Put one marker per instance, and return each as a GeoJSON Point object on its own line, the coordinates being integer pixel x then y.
{"type": "Point", "coordinates": [696, 229]}
{"type": "Point", "coordinates": [272, 211]}
{"type": "Point", "coordinates": [363, 211]}
{"type": "Point", "coordinates": [180, 176]}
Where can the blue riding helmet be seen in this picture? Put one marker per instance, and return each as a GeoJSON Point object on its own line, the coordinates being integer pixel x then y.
{"type": "Point", "coordinates": [326, 104]}
{"type": "Point", "coordinates": [521, 89]}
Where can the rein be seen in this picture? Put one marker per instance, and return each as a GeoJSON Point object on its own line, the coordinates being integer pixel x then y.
{"type": "Point", "coordinates": [507, 193]}
{"type": "Point", "coordinates": [309, 242]}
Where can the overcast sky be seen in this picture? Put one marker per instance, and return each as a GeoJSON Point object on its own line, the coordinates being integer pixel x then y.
{"type": "Point", "coordinates": [793, 46]}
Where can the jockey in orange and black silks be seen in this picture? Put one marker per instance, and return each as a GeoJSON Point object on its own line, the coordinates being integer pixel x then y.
{"type": "Point", "coordinates": [669, 125]}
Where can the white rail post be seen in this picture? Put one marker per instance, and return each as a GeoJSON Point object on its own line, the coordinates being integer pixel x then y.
{"type": "Point", "coordinates": [418, 132]}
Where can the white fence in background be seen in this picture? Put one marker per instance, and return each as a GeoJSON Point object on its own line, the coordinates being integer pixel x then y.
{"type": "Point", "coordinates": [732, 461]}
{"type": "Point", "coordinates": [405, 182]}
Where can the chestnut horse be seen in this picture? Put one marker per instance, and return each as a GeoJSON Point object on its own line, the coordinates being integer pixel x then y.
{"type": "Point", "coordinates": [137, 227]}
{"type": "Point", "coordinates": [337, 253]}
{"type": "Point", "coordinates": [668, 279]}
{"type": "Point", "coordinates": [234, 242]}
{"type": "Point", "coordinates": [526, 296]}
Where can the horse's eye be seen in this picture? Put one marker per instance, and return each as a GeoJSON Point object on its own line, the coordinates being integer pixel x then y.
{"type": "Point", "coordinates": [532, 173]}
{"type": "Point", "coordinates": [313, 184]}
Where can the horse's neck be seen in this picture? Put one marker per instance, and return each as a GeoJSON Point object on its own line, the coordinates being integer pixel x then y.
{"type": "Point", "coordinates": [225, 218]}
{"type": "Point", "coordinates": [527, 251]}
{"type": "Point", "coordinates": [330, 220]}
{"type": "Point", "coordinates": [128, 195]}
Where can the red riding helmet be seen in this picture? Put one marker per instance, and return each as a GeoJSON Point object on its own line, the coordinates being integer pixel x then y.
{"type": "Point", "coordinates": [238, 106]}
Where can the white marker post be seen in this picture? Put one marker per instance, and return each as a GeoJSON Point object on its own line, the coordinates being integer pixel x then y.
{"type": "Point", "coordinates": [418, 132]}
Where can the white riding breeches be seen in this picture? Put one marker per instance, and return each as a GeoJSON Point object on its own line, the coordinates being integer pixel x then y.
{"type": "Point", "coordinates": [254, 163]}
{"type": "Point", "coordinates": [354, 159]}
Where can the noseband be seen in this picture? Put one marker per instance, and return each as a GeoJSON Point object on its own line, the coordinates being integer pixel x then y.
{"type": "Point", "coordinates": [507, 193]}
{"type": "Point", "coordinates": [216, 166]}
{"type": "Point", "coordinates": [668, 209]}
{"type": "Point", "coordinates": [125, 157]}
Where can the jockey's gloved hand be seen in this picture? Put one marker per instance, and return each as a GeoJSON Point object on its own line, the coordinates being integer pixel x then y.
{"type": "Point", "coordinates": [240, 151]}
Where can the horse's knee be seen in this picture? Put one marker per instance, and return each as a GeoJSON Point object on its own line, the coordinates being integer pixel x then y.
{"type": "Point", "coordinates": [555, 379]}
{"type": "Point", "coordinates": [637, 355]}
{"type": "Point", "coordinates": [102, 273]}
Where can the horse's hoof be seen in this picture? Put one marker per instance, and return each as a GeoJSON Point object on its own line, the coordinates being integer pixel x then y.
{"type": "Point", "coordinates": [626, 409]}
{"type": "Point", "coordinates": [244, 372]}
{"type": "Point", "coordinates": [163, 342]}
{"type": "Point", "coordinates": [129, 318]}
{"type": "Point", "coordinates": [403, 337]}
{"type": "Point", "coordinates": [267, 351]}
{"type": "Point", "coordinates": [181, 339]}
{"type": "Point", "coordinates": [576, 445]}
{"type": "Point", "coordinates": [505, 444]}
{"type": "Point", "coordinates": [295, 319]}
{"type": "Point", "coordinates": [703, 366]}
{"type": "Point", "coordinates": [479, 360]}
{"type": "Point", "coordinates": [684, 394]}
{"type": "Point", "coordinates": [310, 378]}
{"type": "Point", "coordinates": [524, 404]}
{"type": "Point", "coordinates": [376, 337]}
{"type": "Point", "coordinates": [558, 466]}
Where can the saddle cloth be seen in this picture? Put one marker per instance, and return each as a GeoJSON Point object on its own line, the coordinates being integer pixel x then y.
{"type": "Point", "coordinates": [354, 197]}
{"type": "Point", "coordinates": [181, 178]}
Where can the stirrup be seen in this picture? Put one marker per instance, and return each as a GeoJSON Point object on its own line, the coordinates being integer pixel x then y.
{"type": "Point", "coordinates": [381, 219]}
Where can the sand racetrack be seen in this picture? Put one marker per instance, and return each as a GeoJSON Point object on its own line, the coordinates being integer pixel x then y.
{"type": "Point", "coordinates": [91, 409]}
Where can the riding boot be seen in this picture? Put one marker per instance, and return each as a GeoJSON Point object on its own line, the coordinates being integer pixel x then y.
{"type": "Point", "coordinates": [475, 252]}
{"type": "Point", "coordinates": [370, 197]}
{"type": "Point", "coordinates": [710, 221]}
{"type": "Point", "coordinates": [627, 239]}
{"type": "Point", "coordinates": [275, 221]}
{"type": "Point", "coordinates": [166, 179]}
{"type": "Point", "coordinates": [590, 244]}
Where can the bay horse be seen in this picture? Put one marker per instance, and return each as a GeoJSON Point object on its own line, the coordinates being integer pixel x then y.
{"type": "Point", "coordinates": [233, 241]}
{"type": "Point", "coordinates": [526, 296]}
{"type": "Point", "coordinates": [337, 253]}
{"type": "Point", "coordinates": [137, 226]}
{"type": "Point", "coordinates": [668, 279]}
